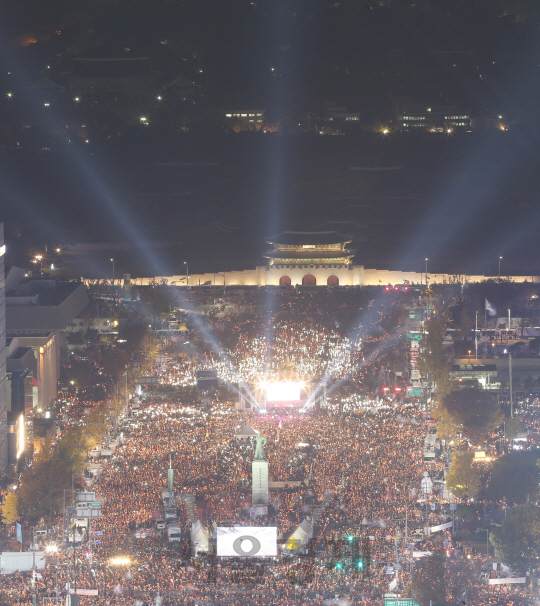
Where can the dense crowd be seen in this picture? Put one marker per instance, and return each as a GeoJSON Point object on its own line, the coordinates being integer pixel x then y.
{"type": "Point", "coordinates": [368, 466]}
{"type": "Point", "coordinates": [361, 461]}
{"type": "Point", "coordinates": [312, 350]}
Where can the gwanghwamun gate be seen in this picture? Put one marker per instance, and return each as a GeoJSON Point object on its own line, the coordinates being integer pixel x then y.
{"type": "Point", "coordinates": [316, 258]}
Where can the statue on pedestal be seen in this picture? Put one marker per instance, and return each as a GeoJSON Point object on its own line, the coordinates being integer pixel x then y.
{"type": "Point", "coordinates": [258, 445]}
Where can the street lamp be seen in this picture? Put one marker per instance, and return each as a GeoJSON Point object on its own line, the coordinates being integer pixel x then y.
{"type": "Point", "coordinates": [500, 258]}
{"type": "Point", "coordinates": [487, 539]}
{"type": "Point", "coordinates": [40, 259]}
{"type": "Point", "coordinates": [187, 273]}
{"type": "Point", "coordinates": [426, 259]}
{"type": "Point", "coordinates": [112, 261]}
{"type": "Point", "coordinates": [469, 356]}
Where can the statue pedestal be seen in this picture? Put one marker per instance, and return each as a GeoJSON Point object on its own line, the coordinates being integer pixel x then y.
{"type": "Point", "coordinates": [259, 482]}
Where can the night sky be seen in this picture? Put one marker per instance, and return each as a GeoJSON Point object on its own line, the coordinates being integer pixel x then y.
{"type": "Point", "coordinates": [183, 188]}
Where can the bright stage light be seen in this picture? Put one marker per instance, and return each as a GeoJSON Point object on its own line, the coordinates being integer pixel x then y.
{"type": "Point", "coordinates": [283, 392]}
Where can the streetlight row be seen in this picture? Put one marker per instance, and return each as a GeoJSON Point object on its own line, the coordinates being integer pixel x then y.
{"type": "Point", "coordinates": [500, 259]}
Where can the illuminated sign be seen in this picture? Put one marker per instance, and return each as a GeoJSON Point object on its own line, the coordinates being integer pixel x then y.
{"type": "Point", "coordinates": [20, 436]}
{"type": "Point", "coordinates": [247, 542]}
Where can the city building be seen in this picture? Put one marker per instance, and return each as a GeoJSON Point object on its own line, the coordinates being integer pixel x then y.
{"type": "Point", "coordinates": [22, 393]}
{"type": "Point", "coordinates": [336, 114]}
{"type": "Point", "coordinates": [131, 78]}
{"type": "Point", "coordinates": [252, 119]}
{"type": "Point", "coordinates": [36, 312]}
{"type": "Point", "coordinates": [432, 118]}
{"type": "Point", "coordinates": [4, 429]}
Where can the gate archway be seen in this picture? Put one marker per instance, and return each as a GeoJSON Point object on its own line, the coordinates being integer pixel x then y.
{"type": "Point", "coordinates": [332, 281]}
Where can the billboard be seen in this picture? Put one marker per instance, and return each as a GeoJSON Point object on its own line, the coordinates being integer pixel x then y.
{"type": "Point", "coordinates": [283, 392]}
{"type": "Point", "coordinates": [247, 541]}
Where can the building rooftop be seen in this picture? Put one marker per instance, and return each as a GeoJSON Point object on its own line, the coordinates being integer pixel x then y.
{"type": "Point", "coordinates": [42, 305]}
{"type": "Point", "coordinates": [309, 238]}
{"type": "Point", "coordinates": [112, 68]}
{"type": "Point", "coordinates": [310, 254]}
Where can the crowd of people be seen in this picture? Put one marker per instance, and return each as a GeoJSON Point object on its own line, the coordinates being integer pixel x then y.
{"type": "Point", "coordinates": [367, 466]}
{"type": "Point", "coordinates": [312, 350]}
{"type": "Point", "coordinates": [359, 464]}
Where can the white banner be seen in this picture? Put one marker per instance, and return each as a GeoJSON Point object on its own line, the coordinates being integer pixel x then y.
{"type": "Point", "coordinates": [421, 554]}
{"type": "Point", "coordinates": [441, 527]}
{"type": "Point", "coordinates": [507, 581]}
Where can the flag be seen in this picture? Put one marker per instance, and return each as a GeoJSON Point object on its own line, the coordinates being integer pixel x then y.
{"type": "Point", "coordinates": [490, 308]}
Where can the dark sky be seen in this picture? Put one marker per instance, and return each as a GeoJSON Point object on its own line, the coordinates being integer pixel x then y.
{"type": "Point", "coordinates": [461, 200]}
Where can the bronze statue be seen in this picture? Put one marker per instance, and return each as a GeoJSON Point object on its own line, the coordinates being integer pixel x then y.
{"type": "Point", "coordinates": [260, 442]}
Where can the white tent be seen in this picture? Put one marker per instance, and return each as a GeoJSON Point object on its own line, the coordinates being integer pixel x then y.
{"type": "Point", "coordinates": [199, 537]}
{"type": "Point", "coordinates": [301, 535]}
{"type": "Point", "coordinates": [247, 432]}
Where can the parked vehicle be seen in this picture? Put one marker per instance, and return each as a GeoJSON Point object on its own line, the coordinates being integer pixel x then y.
{"type": "Point", "coordinates": [170, 513]}
{"type": "Point", "coordinates": [174, 533]}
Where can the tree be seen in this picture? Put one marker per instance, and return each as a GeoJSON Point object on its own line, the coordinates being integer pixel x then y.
{"type": "Point", "coordinates": [73, 446]}
{"type": "Point", "coordinates": [10, 508]}
{"type": "Point", "coordinates": [463, 478]}
{"type": "Point", "coordinates": [436, 361]}
{"type": "Point", "coordinates": [42, 488]}
{"type": "Point", "coordinates": [477, 410]}
{"type": "Point", "coordinates": [514, 477]}
{"type": "Point", "coordinates": [114, 361]}
{"type": "Point", "coordinates": [517, 541]}
{"type": "Point", "coordinates": [428, 582]}
{"type": "Point", "coordinates": [534, 345]}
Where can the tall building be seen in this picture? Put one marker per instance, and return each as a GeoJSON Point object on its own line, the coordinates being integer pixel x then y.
{"type": "Point", "coordinates": [3, 388]}
{"type": "Point", "coordinates": [432, 118]}
{"type": "Point", "coordinates": [37, 311]}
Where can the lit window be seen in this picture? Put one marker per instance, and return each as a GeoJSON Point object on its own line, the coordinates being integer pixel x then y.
{"type": "Point", "coordinates": [228, 115]}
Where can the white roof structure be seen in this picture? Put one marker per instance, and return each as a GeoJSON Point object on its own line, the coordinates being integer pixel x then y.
{"type": "Point", "coordinates": [247, 432]}
{"type": "Point", "coordinates": [302, 534]}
